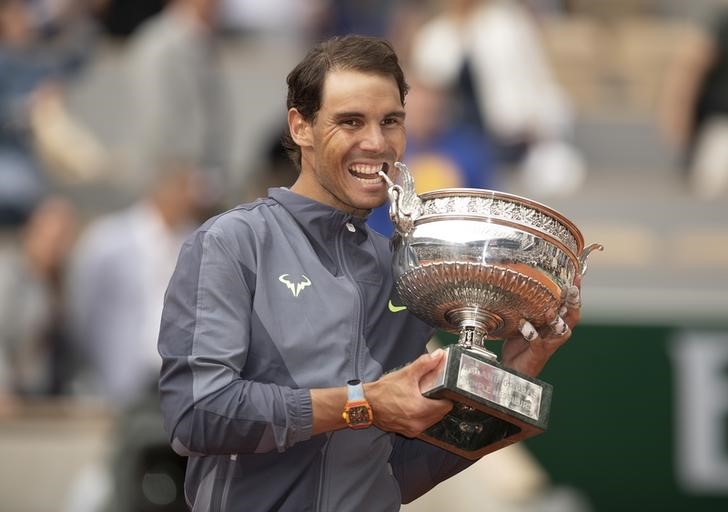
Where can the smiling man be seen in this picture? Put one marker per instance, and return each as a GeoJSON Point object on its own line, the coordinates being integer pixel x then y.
{"type": "Point", "coordinates": [358, 131]}
{"type": "Point", "coordinates": [280, 337]}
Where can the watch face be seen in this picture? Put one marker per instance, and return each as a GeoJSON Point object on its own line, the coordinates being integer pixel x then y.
{"type": "Point", "coordinates": [359, 415]}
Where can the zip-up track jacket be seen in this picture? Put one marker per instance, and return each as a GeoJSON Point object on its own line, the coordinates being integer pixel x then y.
{"type": "Point", "coordinates": [269, 300]}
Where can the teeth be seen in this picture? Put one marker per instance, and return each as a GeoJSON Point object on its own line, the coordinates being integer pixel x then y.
{"type": "Point", "coordinates": [365, 168]}
{"type": "Point", "coordinates": [367, 173]}
{"type": "Point", "coordinates": [372, 178]}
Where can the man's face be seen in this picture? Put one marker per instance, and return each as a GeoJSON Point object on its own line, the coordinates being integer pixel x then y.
{"type": "Point", "coordinates": [359, 129]}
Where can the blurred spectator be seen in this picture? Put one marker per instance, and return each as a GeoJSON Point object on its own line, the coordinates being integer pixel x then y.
{"type": "Point", "coordinates": [395, 20]}
{"type": "Point", "coordinates": [120, 18]}
{"type": "Point", "coordinates": [118, 278]}
{"type": "Point", "coordinates": [548, 7]}
{"type": "Point", "coordinates": [288, 19]}
{"type": "Point", "coordinates": [405, 19]}
{"type": "Point", "coordinates": [366, 17]}
{"type": "Point", "coordinates": [42, 44]}
{"type": "Point", "coordinates": [441, 152]}
{"type": "Point", "coordinates": [491, 52]}
{"type": "Point", "coordinates": [694, 109]}
{"type": "Point", "coordinates": [179, 103]}
{"type": "Point", "coordinates": [32, 264]}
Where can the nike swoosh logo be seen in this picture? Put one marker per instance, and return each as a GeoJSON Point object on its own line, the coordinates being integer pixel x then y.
{"type": "Point", "coordinates": [395, 309]}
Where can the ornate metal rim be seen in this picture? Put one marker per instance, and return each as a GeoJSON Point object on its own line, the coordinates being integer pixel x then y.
{"type": "Point", "coordinates": [535, 215]}
{"type": "Point", "coordinates": [569, 251]}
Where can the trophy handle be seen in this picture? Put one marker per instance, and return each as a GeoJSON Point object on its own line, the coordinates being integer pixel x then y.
{"type": "Point", "coordinates": [585, 256]}
{"type": "Point", "coordinates": [405, 205]}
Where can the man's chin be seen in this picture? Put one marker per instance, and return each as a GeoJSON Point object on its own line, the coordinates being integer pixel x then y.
{"type": "Point", "coordinates": [371, 205]}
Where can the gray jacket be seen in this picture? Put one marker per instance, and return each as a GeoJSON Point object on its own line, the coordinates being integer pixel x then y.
{"type": "Point", "coordinates": [268, 301]}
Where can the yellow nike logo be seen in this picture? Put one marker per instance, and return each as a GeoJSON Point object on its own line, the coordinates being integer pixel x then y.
{"type": "Point", "coordinates": [395, 309]}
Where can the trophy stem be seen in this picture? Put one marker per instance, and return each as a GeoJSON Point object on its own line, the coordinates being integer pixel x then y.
{"type": "Point", "coordinates": [475, 324]}
{"type": "Point", "coordinates": [473, 339]}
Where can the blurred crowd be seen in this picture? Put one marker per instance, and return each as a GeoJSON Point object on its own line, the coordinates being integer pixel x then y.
{"type": "Point", "coordinates": [81, 288]}
{"type": "Point", "coordinates": [82, 279]}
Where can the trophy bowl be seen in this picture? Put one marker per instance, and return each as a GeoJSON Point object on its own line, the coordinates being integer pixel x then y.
{"type": "Point", "coordinates": [476, 263]}
{"type": "Point", "coordinates": [486, 259]}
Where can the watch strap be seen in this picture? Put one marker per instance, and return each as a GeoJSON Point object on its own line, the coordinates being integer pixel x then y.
{"type": "Point", "coordinates": [355, 390]}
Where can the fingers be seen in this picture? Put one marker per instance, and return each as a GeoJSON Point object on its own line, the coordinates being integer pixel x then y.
{"type": "Point", "coordinates": [573, 297]}
{"type": "Point", "coordinates": [427, 362]}
{"type": "Point", "coordinates": [573, 301]}
{"type": "Point", "coordinates": [528, 331]}
{"type": "Point", "coordinates": [557, 329]}
{"type": "Point", "coordinates": [398, 403]}
{"type": "Point", "coordinates": [558, 326]}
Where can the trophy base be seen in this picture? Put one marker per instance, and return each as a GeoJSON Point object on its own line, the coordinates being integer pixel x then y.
{"type": "Point", "coordinates": [494, 406]}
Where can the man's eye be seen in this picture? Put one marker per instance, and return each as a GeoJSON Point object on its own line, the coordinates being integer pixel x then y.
{"type": "Point", "coordinates": [391, 121]}
{"type": "Point", "coordinates": [351, 122]}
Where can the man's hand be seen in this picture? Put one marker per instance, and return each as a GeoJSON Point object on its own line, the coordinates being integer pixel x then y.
{"type": "Point", "coordinates": [397, 402]}
{"type": "Point", "coordinates": [529, 353]}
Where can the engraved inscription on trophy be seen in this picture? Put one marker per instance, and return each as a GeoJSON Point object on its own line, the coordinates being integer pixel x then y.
{"type": "Point", "coordinates": [499, 386]}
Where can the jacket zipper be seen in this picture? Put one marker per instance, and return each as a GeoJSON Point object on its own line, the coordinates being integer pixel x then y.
{"type": "Point", "coordinates": [220, 498]}
{"type": "Point", "coordinates": [349, 275]}
{"type": "Point", "coordinates": [322, 474]}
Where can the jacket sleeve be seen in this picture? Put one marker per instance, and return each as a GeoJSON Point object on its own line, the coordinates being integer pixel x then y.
{"type": "Point", "coordinates": [208, 408]}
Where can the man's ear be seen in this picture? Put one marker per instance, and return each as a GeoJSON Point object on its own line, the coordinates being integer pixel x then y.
{"type": "Point", "coordinates": [300, 128]}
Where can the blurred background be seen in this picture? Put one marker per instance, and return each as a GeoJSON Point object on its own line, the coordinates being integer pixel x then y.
{"type": "Point", "coordinates": [125, 123]}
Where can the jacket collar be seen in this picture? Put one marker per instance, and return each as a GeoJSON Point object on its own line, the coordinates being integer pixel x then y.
{"type": "Point", "coordinates": [321, 225]}
{"type": "Point", "coordinates": [319, 220]}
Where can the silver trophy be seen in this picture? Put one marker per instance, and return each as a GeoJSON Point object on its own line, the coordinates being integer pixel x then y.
{"type": "Point", "coordinates": [475, 263]}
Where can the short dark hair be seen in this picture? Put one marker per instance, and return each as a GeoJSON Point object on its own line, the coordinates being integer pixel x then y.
{"type": "Point", "coordinates": [351, 52]}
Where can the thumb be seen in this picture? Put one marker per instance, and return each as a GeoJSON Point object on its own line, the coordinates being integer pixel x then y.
{"type": "Point", "coordinates": [427, 362]}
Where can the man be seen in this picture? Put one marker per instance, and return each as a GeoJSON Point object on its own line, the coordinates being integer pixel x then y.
{"type": "Point", "coordinates": [120, 269]}
{"type": "Point", "coordinates": [693, 109]}
{"type": "Point", "coordinates": [276, 305]}
{"type": "Point", "coordinates": [176, 84]}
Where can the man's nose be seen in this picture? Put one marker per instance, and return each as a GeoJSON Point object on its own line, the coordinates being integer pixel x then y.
{"type": "Point", "coordinates": [373, 139]}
